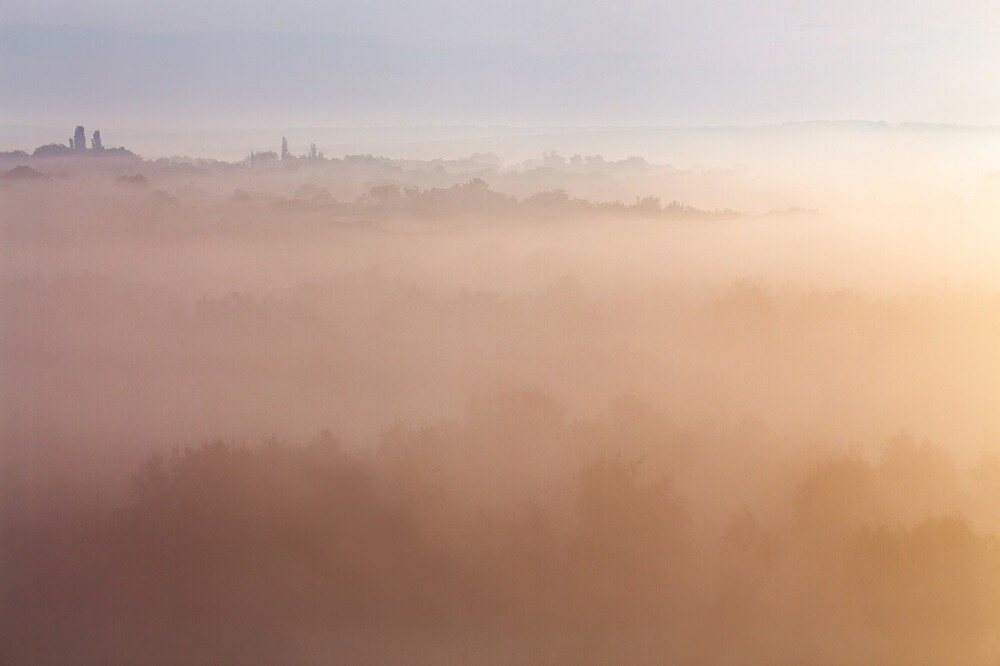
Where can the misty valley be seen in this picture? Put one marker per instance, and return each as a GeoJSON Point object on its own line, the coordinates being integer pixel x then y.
{"type": "Point", "coordinates": [299, 409]}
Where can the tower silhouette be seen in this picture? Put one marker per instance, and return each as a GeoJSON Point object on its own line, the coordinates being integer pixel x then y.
{"type": "Point", "coordinates": [79, 139]}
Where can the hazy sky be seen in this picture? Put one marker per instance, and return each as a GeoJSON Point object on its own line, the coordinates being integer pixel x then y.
{"type": "Point", "coordinates": [520, 62]}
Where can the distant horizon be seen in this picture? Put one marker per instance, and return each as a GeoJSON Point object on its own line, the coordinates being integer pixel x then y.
{"type": "Point", "coordinates": [424, 141]}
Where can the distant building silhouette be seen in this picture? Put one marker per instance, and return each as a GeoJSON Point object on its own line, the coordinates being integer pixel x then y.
{"type": "Point", "coordinates": [77, 146]}
{"type": "Point", "coordinates": [284, 149]}
{"type": "Point", "coordinates": [79, 141]}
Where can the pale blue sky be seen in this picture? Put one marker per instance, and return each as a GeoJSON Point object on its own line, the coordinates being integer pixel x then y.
{"type": "Point", "coordinates": [439, 62]}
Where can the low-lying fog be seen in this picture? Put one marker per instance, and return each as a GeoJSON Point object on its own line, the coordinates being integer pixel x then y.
{"type": "Point", "coordinates": [572, 409]}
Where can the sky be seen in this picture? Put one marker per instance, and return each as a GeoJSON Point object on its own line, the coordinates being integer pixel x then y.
{"type": "Point", "coordinates": [238, 63]}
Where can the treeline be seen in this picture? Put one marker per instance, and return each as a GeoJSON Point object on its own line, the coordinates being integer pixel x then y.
{"type": "Point", "coordinates": [513, 536]}
{"type": "Point", "coordinates": [393, 200]}
{"type": "Point", "coordinates": [477, 198]}
{"type": "Point", "coordinates": [551, 182]}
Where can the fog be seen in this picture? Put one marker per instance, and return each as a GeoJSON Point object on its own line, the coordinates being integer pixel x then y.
{"type": "Point", "coordinates": [504, 406]}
